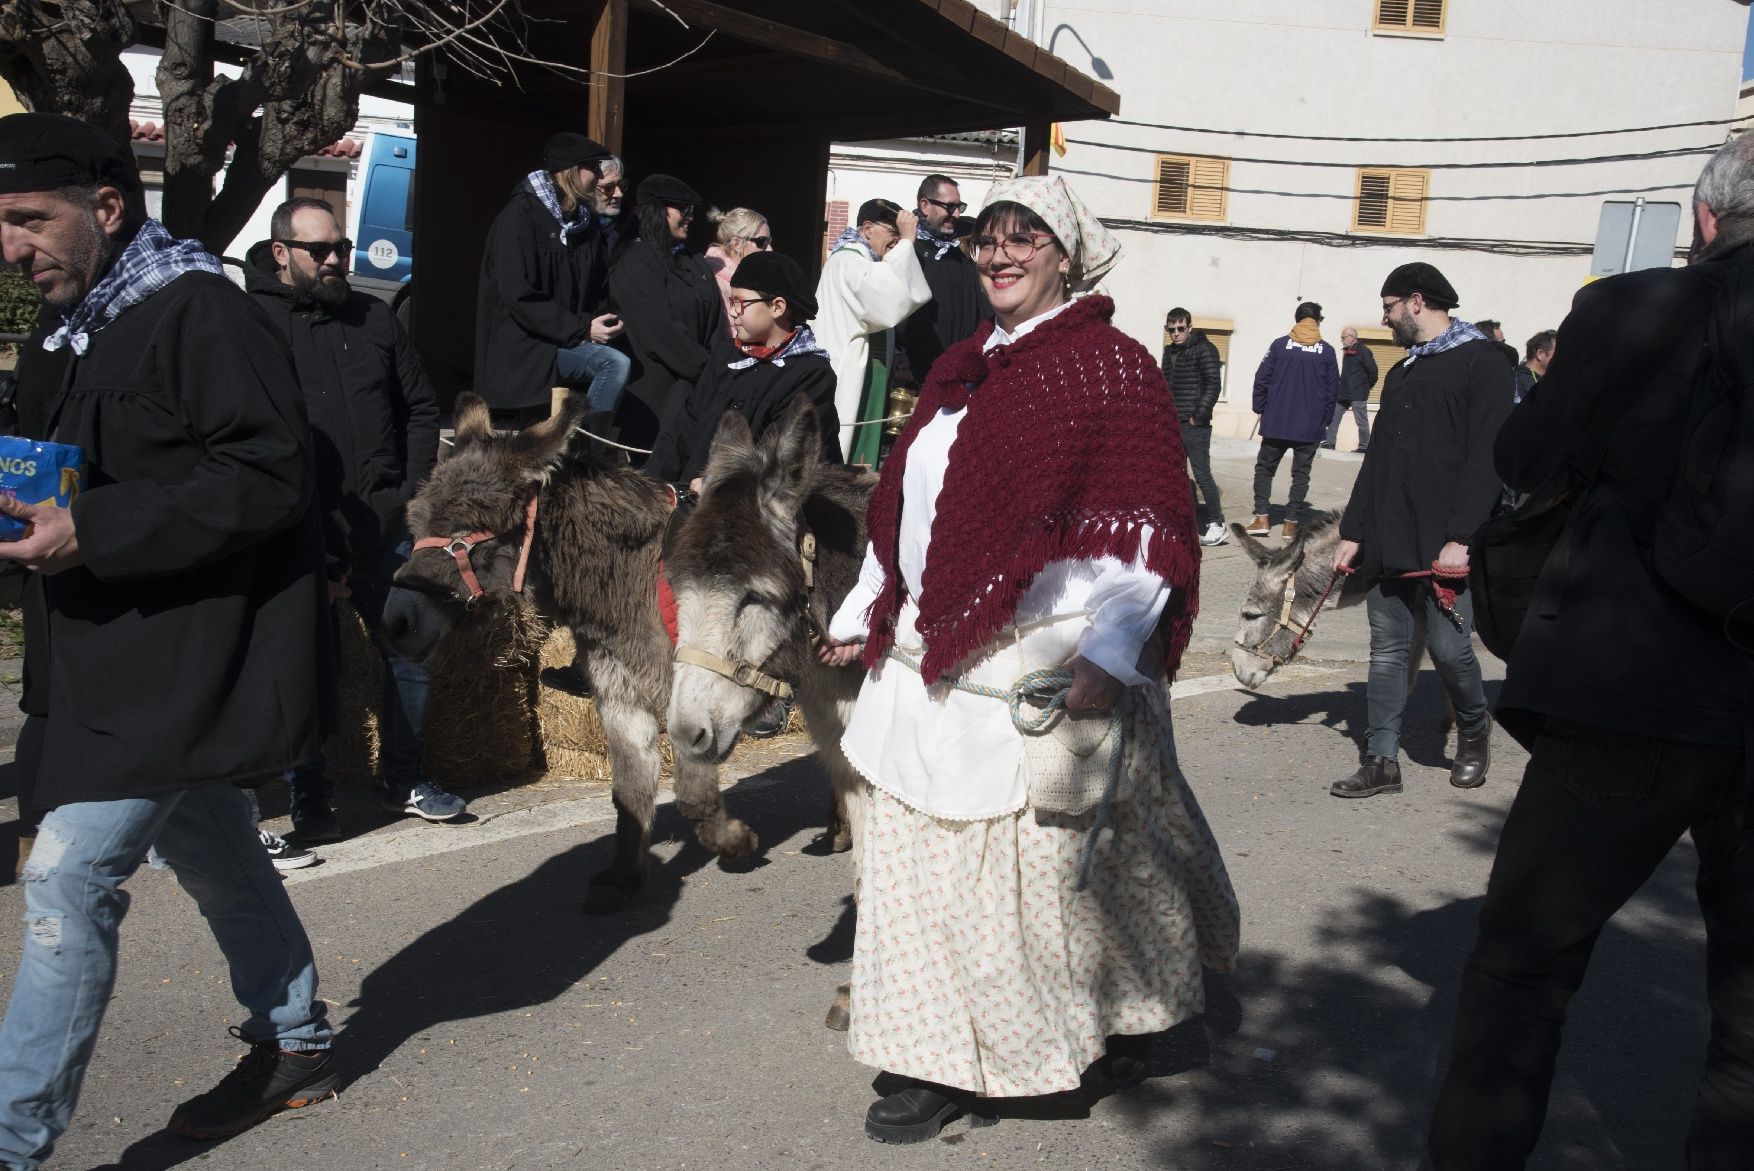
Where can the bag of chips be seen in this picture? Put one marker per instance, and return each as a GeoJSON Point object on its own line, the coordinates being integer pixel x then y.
{"type": "Point", "coordinates": [37, 472]}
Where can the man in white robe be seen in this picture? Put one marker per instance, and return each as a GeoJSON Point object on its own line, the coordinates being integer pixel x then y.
{"type": "Point", "coordinates": [868, 287]}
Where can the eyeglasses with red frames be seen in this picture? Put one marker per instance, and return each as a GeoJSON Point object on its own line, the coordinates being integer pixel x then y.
{"type": "Point", "coordinates": [1018, 247]}
{"type": "Point", "coordinates": [321, 250]}
{"type": "Point", "coordinates": [738, 304]}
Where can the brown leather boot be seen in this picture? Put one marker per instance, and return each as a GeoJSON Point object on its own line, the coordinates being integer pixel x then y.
{"type": "Point", "coordinates": [1288, 530]}
{"type": "Point", "coordinates": [1259, 527]}
{"type": "Point", "coordinates": [1473, 756]}
{"type": "Point", "coordinates": [1378, 774]}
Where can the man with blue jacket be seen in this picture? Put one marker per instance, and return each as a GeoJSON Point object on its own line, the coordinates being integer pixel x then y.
{"type": "Point", "coordinates": [1295, 390]}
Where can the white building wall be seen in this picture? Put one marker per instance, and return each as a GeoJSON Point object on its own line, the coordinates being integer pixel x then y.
{"type": "Point", "coordinates": [1502, 67]}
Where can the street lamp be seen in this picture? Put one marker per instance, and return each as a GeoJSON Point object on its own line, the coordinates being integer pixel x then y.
{"type": "Point", "coordinates": [1097, 65]}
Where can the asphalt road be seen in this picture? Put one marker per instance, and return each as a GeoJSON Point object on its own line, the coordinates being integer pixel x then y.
{"type": "Point", "coordinates": [486, 1023]}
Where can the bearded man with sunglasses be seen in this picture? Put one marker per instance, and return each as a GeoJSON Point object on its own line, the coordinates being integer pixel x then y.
{"type": "Point", "coordinates": [374, 432]}
{"type": "Point", "coordinates": [958, 305]}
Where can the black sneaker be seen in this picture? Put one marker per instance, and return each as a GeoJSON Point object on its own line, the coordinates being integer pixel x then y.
{"type": "Point", "coordinates": [284, 854]}
{"type": "Point", "coordinates": [422, 798]}
{"type": "Point", "coordinates": [771, 721]}
{"type": "Point", "coordinates": [315, 825]}
{"type": "Point", "coordinates": [268, 1080]}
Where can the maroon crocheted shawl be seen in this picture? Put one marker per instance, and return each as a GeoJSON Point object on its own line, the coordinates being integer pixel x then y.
{"type": "Point", "coordinates": [1070, 446]}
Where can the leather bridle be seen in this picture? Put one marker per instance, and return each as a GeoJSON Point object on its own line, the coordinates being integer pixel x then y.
{"type": "Point", "coordinates": [461, 545]}
{"type": "Point", "coordinates": [750, 674]}
{"type": "Point", "coordinates": [1283, 623]}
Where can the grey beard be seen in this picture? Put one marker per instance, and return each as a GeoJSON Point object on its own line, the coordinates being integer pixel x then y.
{"type": "Point", "coordinates": [1406, 334]}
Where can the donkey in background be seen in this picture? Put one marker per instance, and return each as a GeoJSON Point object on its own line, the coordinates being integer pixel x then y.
{"type": "Point", "coordinates": [592, 566]}
{"type": "Point", "coordinates": [1290, 581]}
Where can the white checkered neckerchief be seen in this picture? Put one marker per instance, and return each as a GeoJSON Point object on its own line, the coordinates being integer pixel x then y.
{"type": "Point", "coordinates": [802, 342]}
{"type": "Point", "coordinates": [543, 188]}
{"type": "Point", "coordinates": [926, 235]}
{"type": "Point", "coordinates": [1458, 332]}
{"type": "Point", "coordinates": [152, 260]}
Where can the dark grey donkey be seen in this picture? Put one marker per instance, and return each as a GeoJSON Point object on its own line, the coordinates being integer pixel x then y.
{"type": "Point", "coordinates": [1290, 580]}
{"type": "Point", "coordinates": [592, 567]}
{"type": "Point", "coordinates": [769, 554]}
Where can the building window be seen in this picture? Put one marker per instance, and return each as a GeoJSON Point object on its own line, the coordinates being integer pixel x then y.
{"type": "Point", "coordinates": [1382, 347]}
{"type": "Point", "coordinates": [1421, 18]}
{"type": "Point", "coordinates": [1391, 200]}
{"type": "Point", "coordinates": [1191, 187]}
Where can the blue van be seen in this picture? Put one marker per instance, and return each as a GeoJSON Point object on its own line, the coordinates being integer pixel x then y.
{"type": "Point", "coordinates": [383, 232]}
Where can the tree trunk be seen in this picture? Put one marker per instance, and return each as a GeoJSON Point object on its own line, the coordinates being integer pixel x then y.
{"type": "Point", "coordinates": [66, 58]}
{"type": "Point", "coordinates": [194, 149]}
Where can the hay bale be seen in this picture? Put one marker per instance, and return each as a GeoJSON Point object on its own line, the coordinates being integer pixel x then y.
{"type": "Point", "coordinates": [488, 721]}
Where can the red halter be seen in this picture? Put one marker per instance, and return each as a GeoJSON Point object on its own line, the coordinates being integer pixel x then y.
{"type": "Point", "coordinates": [459, 547]}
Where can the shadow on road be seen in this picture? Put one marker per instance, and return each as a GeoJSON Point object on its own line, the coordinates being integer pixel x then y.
{"type": "Point", "coordinates": [1423, 740]}
{"type": "Point", "coordinates": [526, 943]}
{"type": "Point", "coordinates": [1331, 1063]}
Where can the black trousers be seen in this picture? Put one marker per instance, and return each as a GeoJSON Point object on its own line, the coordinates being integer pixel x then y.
{"type": "Point", "coordinates": [1197, 441]}
{"type": "Point", "coordinates": [1267, 466]}
{"type": "Point", "coordinates": [1597, 812]}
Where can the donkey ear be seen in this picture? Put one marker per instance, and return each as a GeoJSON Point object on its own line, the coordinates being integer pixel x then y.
{"type": "Point", "coordinates": [1259, 552]}
{"type": "Point", "coordinates": [474, 422]}
{"type": "Point", "coordinates": [731, 441]}
{"type": "Point", "coordinates": [538, 448]}
{"type": "Point", "coordinates": [794, 450]}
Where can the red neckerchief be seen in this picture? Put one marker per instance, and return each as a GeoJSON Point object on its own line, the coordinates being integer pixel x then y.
{"type": "Point", "coordinates": [1068, 451]}
{"type": "Point", "coordinates": [763, 352]}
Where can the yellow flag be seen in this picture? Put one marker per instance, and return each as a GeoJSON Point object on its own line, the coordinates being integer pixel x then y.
{"type": "Point", "coordinates": [1057, 139]}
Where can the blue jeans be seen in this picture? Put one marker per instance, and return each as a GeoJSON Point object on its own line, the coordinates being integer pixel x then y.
{"type": "Point", "coordinates": [407, 688]}
{"type": "Point", "coordinates": [1393, 604]}
{"type": "Point", "coordinates": [604, 367]}
{"type": "Point", "coordinates": [74, 903]}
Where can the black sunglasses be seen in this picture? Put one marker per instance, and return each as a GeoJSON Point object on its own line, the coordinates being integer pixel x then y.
{"type": "Point", "coordinates": [760, 242]}
{"type": "Point", "coordinates": [321, 250]}
{"type": "Point", "coordinates": [952, 208]}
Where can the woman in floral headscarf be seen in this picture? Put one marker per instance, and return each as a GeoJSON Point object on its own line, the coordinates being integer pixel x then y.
{"type": "Point", "coordinates": [1027, 916]}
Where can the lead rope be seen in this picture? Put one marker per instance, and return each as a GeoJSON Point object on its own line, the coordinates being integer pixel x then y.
{"type": "Point", "coordinates": [1046, 690]}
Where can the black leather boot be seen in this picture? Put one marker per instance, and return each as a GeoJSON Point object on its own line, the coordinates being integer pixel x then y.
{"type": "Point", "coordinates": [917, 1113]}
{"type": "Point", "coordinates": [1378, 774]}
{"type": "Point", "coordinates": [1473, 755]}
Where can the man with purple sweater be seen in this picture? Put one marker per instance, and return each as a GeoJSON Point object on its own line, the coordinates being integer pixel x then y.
{"type": "Point", "coordinates": [1295, 390]}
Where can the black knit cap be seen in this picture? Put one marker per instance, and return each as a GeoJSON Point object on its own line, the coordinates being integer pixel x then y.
{"type": "Point", "coordinates": [773, 275]}
{"type": "Point", "coordinates": [667, 189]}
{"type": "Point", "coordinates": [41, 152]}
{"type": "Point", "coordinates": [1422, 278]}
{"type": "Point", "coordinates": [568, 150]}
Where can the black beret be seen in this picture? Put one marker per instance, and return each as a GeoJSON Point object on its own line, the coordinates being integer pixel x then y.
{"type": "Point", "coordinates": [1419, 277]}
{"type": "Point", "coordinates": [40, 152]}
{"type": "Point", "coordinates": [667, 189]}
{"type": "Point", "coordinates": [568, 150]}
{"type": "Point", "coordinates": [773, 275]}
{"type": "Point", "coordinates": [879, 211]}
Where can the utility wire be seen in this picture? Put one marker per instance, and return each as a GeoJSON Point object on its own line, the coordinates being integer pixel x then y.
{"type": "Point", "coordinates": [1457, 138]}
{"type": "Point", "coordinates": [1674, 153]}
{"type": "Point", "coordinates": [1526, 195]}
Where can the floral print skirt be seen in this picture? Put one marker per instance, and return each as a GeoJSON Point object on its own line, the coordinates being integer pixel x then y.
{"type": "Point", "coordinates": [979, 965]}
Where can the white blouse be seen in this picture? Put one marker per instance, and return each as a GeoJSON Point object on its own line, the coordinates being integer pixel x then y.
{"type": "Point", "coordinates": [957, 756]}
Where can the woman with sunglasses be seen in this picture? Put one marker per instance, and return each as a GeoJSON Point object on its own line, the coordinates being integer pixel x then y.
{"type": "Point", "coordinates": [736, 234]}
{"type": "Point", "coordinates": [1027, 919]}
{"type": "Point", "coordinates": [669, 302]}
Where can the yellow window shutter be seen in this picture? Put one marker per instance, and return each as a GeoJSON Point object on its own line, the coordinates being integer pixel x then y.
{"type": "Point", "coordinates": [1407, 202]}
{"type": "Point", "coordinates": [1392, 13]}
{"type": "Point", "coordinates": [1211, 183]}
{"type": "Point", "coordinates": [1373, 199]}
{"type": "Point", "coordinates": [1427, 15]}
{"type": "Point", "coordinates": [1173, 178]}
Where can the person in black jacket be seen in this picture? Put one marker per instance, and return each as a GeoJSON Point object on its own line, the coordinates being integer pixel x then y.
{"type": "Point", "coordinates": [183, 602]}
{"type": "Point", "coordinates": [539, 319]}
{"type": "Point", "coordinates": [777, 359]}
{"type": "Point", "coordinates": [669, 300]}
{"type": "Point", "coordinates": [374, 432]}
{"type": "Point", "coordinates": [1357, 378]}
{"type": "Point", "coordinates": [958, 304]}
{"type": "Point", "coordinates": [1426, 484]}
{"type": "Point", "coordinates": [1192, 369]}
{"type": "Point", "coordinates": [1538, 356]}
{"type": "Point", "coordinates": [1635, 707]}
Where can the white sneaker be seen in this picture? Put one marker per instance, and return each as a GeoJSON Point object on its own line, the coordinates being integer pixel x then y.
{"type": "Point", "coordinates": [1214, 535]}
